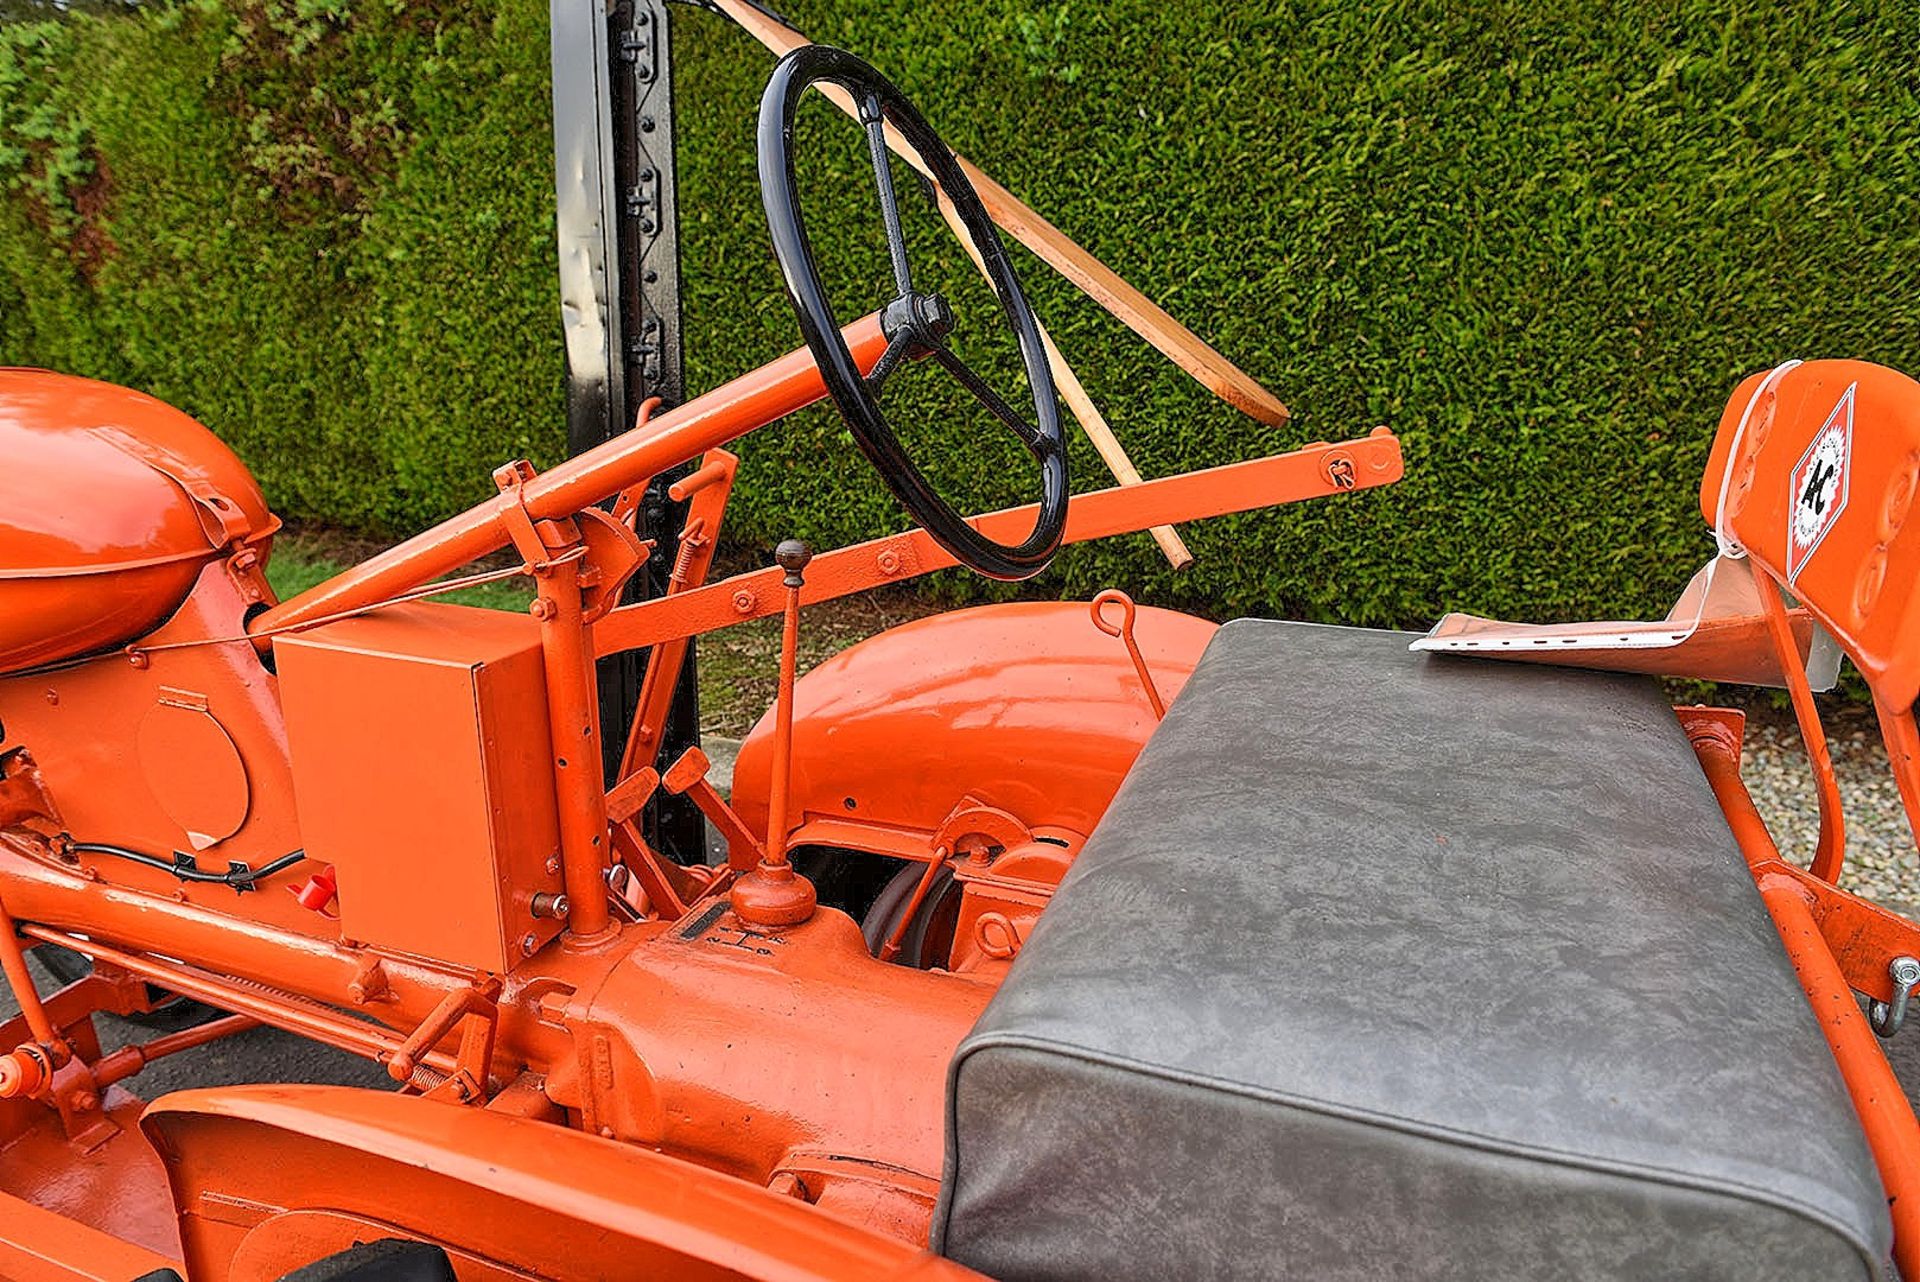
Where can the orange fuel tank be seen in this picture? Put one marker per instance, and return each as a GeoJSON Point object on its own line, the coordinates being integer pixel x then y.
{"type": "Point", "coordinates": [110, 504]}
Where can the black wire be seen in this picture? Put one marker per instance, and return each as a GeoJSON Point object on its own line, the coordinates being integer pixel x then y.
{"type": "Point", "coordinates": [183, 866]}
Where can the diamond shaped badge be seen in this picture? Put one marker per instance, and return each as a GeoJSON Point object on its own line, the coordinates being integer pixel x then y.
{"type": "Point", "coordinates": [1819, 485]}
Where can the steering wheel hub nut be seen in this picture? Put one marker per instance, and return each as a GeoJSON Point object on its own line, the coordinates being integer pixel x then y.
{"type": "Point", "coordinates": [928, 317]}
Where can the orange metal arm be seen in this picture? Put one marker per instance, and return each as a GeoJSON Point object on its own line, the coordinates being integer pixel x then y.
{"type": "Point", "coordinates": [13, 962]}
{"type": "Point", "coordinates": [709, 489]}
{"type": "Point", "coordinates": [1837, 943]}
{"type": "Point", "coordinates": [314, 1021]}
{"type": "Point", "coordinates": [1885, 1115]}
{"type": "Point", "coordinates": [1832, 847]}
{"type": "Point", "coordinates": [128, 1060]}
{"type": "Point", "coordinates": [1238, 487]}
{"type": "Point", "coordinates": [724, 414]}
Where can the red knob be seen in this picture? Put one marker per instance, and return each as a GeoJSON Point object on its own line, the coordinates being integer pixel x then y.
{"type": "Point", "coordinates": [317, 891]}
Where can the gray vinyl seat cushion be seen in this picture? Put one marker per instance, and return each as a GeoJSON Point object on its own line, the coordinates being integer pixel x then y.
{"type": "Point", "coordinates": [1386, 965]}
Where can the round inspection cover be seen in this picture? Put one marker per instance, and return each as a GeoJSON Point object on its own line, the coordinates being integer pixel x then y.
{"type": "Point", "coordinates": [194, 770]}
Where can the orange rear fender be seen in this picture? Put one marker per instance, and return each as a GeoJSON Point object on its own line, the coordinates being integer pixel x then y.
{"type": "Point", "coordinates": [1026, 707]}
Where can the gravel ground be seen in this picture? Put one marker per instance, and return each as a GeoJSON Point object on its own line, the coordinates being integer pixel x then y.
{"type": "Point", "coordinates": [1881, 861]}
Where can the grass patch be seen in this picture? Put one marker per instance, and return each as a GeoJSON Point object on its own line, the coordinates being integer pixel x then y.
{"type": "Point", "coordinates": [304, 560]}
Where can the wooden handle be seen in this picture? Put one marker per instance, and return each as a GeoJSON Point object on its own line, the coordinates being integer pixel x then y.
{"type": "Point", "coordinates": [1059, 251]}
{"type": "Point", "coordinates": [1109, 447]}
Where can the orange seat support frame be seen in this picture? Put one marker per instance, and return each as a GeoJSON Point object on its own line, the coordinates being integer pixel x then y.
{"type": "Point", "coordinates": [1813, 477]}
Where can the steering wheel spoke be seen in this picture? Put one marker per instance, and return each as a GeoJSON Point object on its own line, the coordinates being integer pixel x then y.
{"type": "Point", "coordinates": [875, 120]}
{"type": "Point", "coordinates": [915, 321]}
{"type": "Point", "coordinates": [889, 360]}
{"type": "Point", "coordinates": [983, 392]}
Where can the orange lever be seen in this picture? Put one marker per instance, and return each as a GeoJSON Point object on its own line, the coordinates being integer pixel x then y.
{"type": "Point", "coordinates": [772, 894]}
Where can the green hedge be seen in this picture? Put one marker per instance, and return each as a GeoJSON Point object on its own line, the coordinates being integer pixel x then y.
{"type": "Point", "coordinates": [1541, 242]}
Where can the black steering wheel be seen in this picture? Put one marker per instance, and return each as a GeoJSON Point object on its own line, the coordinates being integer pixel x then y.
{"type": "Point", "coordinates": [916, 323]}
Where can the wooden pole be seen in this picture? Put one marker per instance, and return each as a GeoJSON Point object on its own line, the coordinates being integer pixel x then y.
{"type": "Point", "coordinates": [1092, 422]}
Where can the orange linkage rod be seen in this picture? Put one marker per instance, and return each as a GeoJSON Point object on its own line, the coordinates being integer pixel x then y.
{"type": "Point", "coordinates": [728, 412]}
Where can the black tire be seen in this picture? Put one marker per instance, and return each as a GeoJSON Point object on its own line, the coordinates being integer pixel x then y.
{"type": "Point", "coordinates": [928, 942]}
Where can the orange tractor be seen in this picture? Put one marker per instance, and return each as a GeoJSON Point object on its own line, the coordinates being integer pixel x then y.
{"type": "Point", "coordinates": [1048, 941]}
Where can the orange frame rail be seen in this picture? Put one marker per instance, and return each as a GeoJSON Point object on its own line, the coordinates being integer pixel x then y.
{"type": "Point", "coordinates": [1838, 944]}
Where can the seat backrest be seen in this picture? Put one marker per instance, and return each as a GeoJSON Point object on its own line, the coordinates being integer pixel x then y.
{"type": "Point", "coordinates": [1813, 472]}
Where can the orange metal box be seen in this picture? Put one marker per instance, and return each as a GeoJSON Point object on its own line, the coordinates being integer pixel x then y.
{"type": "Point", "coordinates": [421, 771]}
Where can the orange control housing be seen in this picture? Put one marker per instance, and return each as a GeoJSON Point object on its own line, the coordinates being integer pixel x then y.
{"type": "Point", "coordinates": [419, 739]}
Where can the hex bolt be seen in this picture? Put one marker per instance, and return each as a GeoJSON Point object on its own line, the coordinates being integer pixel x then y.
{"type": "Point", "coordinates": [548, 904]}
{"type": "Point", "coordinates": [1887, 1017]}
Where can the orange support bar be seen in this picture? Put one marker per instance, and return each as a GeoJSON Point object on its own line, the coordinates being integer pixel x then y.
{"type": "Point", "coordinates": [1316, 471]}
{"type": "Point", "coordinates": [1715, 734]}
{"type": "Point", "coordinates": [1833, 827]}
{"type": "Point", "coordinates": [304, 1018]}
{"type": "Point", "coordinates": [724, 414]}
{"type": "Point", "coordinates": [13, 961]}
{"type": "Point", "coordinates": [1885, 1115]}
{"type": "Point", "coordinates": [128, 1060]}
